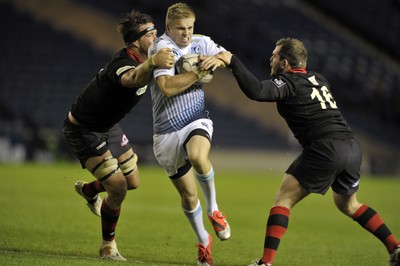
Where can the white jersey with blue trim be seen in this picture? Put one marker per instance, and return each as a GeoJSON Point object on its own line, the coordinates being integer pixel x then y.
{"type": "Point", "coordinates": [174, 113]}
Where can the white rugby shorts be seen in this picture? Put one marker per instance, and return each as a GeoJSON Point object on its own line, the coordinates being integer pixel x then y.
{"type": "Point", "coordinates": [169, 150]}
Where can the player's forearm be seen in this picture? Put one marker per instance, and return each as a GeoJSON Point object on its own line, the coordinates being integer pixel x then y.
{"type": "Point", "coordinates": [140, 76]}
{"type": "Point", "coordinates": [250, 85]}
{"type": "Point", "coordinates": [173, 85]}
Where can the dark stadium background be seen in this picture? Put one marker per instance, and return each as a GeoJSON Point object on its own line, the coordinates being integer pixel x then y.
{"type": "Point", "coordinates": [51, 49]}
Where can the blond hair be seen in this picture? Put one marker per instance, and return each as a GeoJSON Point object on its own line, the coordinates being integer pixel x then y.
{"type": "Point", "coordinates": [179, 11]}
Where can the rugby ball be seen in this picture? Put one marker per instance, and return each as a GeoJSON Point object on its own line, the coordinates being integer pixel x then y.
{"type": "Point", "coordinates": [190, 62]}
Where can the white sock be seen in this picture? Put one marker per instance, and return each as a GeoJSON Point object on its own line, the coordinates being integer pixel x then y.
{"type": "Point", "coordinates": [207, 185]}
{"type": "Point", "coordinates": [195, 218]}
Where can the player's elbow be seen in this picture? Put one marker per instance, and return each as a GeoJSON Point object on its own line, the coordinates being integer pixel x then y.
{"type": "Point", "coordinates": [134, 81]}
{"type": "Point", "coordinates": [167, 90]}
{"type": "Point", "coordinates": [164, 87]}
{"type": "Point", "coordinates": [253, 96]}
{"type": "Point", "coordinates": [259, 99]}
{"type": "Point", "coordinates": [168, 94]}
{"type": "Point", "coordinates": [141, 83]}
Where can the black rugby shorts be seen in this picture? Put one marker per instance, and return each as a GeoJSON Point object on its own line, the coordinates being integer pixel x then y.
{"type": "Point", "coordinates": [85, 143]}
{"type": "Point", "coordinates": [329, 163]}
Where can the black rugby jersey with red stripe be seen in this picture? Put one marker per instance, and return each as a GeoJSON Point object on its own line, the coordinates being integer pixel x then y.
{"type": "Point", "coordinates": [104, 101]}
{"type": "Point", "coordinates": [303, 99]}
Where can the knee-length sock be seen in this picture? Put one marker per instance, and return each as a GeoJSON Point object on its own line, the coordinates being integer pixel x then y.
{"type": "Point", "coordinates": [207, 185]}
{"type": "Point", "coordinates": [277, 224]}
{"type": "Point", "coordinates": [109, 220]}
{"type": "Point", "coordinates": [371, 221]}
{"type": "Point", "coordinates": [195, 218]}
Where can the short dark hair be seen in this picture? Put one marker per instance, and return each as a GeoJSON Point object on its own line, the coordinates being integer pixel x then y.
{"type": "Point", "coordinates": [293, 51]}
{"type": "Point", "coordinates": [130, 23]}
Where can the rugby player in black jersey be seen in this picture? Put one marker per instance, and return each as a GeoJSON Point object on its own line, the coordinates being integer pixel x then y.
{"type": "Point", "coordinates": [331, 157]}
{"type": "Point", "coordinates": [92, 131]}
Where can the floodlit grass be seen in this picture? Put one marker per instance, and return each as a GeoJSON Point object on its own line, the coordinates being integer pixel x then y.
{"type": "Point", "coordinates": [44, 222]}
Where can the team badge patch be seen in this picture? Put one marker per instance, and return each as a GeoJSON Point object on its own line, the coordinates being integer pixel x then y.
{"type": "Point", "coordinates": [278, 82]}
{"type": "Point", "coordinates": [124, 141]}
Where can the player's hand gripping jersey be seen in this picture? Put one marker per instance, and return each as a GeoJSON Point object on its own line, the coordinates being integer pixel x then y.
{"type": "Point", "coordinates": [174, 113]}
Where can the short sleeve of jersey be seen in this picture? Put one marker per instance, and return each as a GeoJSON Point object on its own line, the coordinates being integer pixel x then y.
{"type": "Point", "coordinates": [118, 66]}
{"type": "Point", "coordinates": [158, 45]}
{"type": "Point", "coordinates": [204, 45]}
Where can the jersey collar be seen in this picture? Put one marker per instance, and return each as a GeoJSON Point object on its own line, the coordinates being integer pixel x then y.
{"type": "Point", "coordinates": [133, 56]}
{"type": "Point", "coordinates": [298, 70]}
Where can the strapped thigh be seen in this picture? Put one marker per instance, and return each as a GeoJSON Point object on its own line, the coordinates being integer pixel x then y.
{"type": "Point", "coordinates": [129, 165]}
{"type": "Point", "coordinates": [106, 168]}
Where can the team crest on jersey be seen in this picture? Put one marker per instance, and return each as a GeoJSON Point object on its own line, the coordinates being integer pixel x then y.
{"type": "Point", "coordinates": [141, 90]}
{"type": "Point", "coordinates": [124, 141]}
{"type": "Point", "coordinates": [175, 52]}
{"type": "Point", "coordinates": [195, 49]}
{"type": "Point", "coordinates": [278, 82]}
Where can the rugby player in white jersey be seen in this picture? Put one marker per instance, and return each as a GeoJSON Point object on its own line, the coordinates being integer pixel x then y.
{"type": "Point", "coordinates": [182, 128]}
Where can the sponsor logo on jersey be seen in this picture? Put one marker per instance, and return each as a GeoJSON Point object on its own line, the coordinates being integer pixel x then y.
{"type": "Point", "coordinates": [278, 82]}
{"type": "Point", "coordinates": [356, 184]}
{"type": "Point", "coordinates": [124, 140]}
{"type": "Point", "coordinates": [101, 145]}
{"type": "Point", "coordinates": [141, 90]}
{"type": "Point", "coordinates": [204, 124]}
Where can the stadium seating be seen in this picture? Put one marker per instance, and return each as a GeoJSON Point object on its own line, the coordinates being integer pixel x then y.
{"type": "Point", "coordinates": [378, 22]}
{"type": "Point", "coordinates": [43, 68]}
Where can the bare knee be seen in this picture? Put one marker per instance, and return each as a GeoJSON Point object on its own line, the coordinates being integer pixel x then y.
{"type": "Point", "coordinates": [200, 164]}
{"type": "Point", "coordinates": [348, 205]}
{"type": "Point", "coordinates": [116, 187]}
{"type": "Point", "coordinates": [133, 181]}
{"type": "Point", "coordinates": [133, 185]}
{"type": "Point", "coordinates": [198, 149]}
{"type": "Point", "coordinates": [189, 200]}
{"type": "Point", "coordinates": [290, 192]}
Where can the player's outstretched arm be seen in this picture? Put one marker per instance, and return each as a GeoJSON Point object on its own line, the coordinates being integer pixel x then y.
{"type": "Point", "coordinates": [252, 87]}
{"type": "Point", "coordinates": [141, 75]}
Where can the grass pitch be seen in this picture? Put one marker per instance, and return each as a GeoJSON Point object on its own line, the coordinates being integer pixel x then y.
{"type": "Point", "coordinates": [44, 222]}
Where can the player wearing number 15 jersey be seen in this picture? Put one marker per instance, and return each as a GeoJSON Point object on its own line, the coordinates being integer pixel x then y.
{"type": "Point", "coordinates": [331, 157]}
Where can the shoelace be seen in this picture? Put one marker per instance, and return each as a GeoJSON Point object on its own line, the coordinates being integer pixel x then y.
{"type": "Point", "coordinates": [203, 254]}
